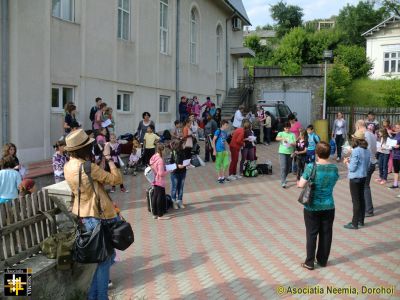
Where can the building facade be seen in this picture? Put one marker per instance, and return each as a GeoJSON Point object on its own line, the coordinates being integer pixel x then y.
{"type": "Point", "coordinates": [138, 55]}
{"type": "Point", "coordinates": [383, 48]}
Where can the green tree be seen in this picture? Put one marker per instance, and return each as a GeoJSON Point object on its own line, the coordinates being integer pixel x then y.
{"type": "Point", "coordinates": [355, 58]}
{"type": "Point", "coordinates": [338, 79]}
{"type": "Point", "coordinates": [286, 16]}
{"type": "Point", "coordinates": [391, 6]}
{"type": "Point", "coordinates": [319, 41]}
{"type": "Point", "coordinates": [355, 20]}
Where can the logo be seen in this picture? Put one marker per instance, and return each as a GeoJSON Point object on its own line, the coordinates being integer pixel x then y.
{"type": "Point", "coordinates": [17, 282]}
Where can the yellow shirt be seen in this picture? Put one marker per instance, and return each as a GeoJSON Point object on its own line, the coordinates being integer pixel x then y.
{"type": "Point", "coordinates": [150, 140]}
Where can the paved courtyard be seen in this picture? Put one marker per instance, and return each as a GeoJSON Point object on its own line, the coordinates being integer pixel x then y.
{"type": "Point", "coordinates": [246, 239]}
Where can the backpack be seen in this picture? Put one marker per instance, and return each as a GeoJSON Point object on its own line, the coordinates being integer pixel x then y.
{"type": "Point", "coordinates": [166, 136]}
{"type": "Point", "coordinates": [93, 111]}
{"type": "Point", "coordinates": [250, 169]}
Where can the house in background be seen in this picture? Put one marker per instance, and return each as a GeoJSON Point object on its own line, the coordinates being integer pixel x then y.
{"type": "Point", "coordinates": [383, 48]}
{"type": "Point", "coordinates": [138, 55]}
{"type": "Point", "coordinates": [264, 35]}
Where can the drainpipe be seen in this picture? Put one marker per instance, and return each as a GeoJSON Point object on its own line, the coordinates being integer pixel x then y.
{"type": "Point", "coordinates": [5, 93]}
{"type": "Point", "coordinates": [227, 53]}
{"type": "Point", "coordinates": [177, 58]}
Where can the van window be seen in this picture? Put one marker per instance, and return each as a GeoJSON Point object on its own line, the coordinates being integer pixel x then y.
{"type": "Point", "coordinates": [284, 111]}
{"type": "Point", "coordinates": [271, 109]}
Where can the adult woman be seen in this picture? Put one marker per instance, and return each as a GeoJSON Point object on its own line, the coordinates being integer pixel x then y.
{"type": "Point", "coordinates": [339, 133]}
{"type": "Point", "coordinates": [11, 150]}
{"type": "Point", "coordinates": [178, 175]}
{"type": "Point", "coordinates": [319, 215]}
{"type": "Point", "coordinates": [295, 125]}
{"type": "Point", "coordinates": [79, 147]}
{"type": "Point", "coordinates": [238, 117]}
{"type": "Point", "coordinates": [69, 118]}
{"type": "Point", "coordinates": [286, 147]}
{"type": "Point", "coordinates": [142, 127]}
{"type": "Point", "coordinates": [235, 145]}
{"type": "Point", "coordinates": [248, 148]}
{"type": "Point", "coordinates": [98, 117]}
{"type": "Point", "coordinates": [358, 164]}
{"type": "Point", "coordinates": [261, 118]}
{"type": "Point", "coordinates": [209, 129]}
{"type": "Point", "coordinates": [158, 200]}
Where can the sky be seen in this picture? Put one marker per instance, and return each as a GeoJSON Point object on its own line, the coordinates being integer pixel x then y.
{"type": "Point", "coordinates": [258, 10]}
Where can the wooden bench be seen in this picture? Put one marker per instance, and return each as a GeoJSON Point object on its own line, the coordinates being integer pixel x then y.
{"type": "Point", "coordinates": [23, 226]}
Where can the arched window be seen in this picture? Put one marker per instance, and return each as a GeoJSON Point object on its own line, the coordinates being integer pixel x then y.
{"type": "Point", "coordinates": [194, 24]}
{"type": "Point", "coordinates": [219, 48]}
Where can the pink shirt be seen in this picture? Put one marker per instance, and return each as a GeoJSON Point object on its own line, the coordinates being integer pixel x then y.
{"type": "Point", "coordinates": [295, 128]}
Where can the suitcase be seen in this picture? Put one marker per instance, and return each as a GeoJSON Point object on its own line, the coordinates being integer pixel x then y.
{"type": "Point", "coordinates": [149, 195]}
{"type": "Point", "coordinates": [265, 169]}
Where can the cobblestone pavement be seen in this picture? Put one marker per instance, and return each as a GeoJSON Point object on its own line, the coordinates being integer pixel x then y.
{"type": "Point", "coordinates": [246, 239]}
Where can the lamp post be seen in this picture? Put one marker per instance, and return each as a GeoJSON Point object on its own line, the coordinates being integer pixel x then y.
{"type": "Point", "coordinates": [328, 54]}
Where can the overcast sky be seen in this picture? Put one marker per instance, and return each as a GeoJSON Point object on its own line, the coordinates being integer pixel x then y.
{"type": "Point", "coordinates": [258, 10]}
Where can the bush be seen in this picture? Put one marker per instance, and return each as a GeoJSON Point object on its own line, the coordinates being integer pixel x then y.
{"type": "Point", "coordinates": [338, 80]}
{"type": "Point", "coordinates": [355, 58]}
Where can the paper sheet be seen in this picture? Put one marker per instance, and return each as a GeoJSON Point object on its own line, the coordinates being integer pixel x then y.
{"type": "Point", "coordinates": [378, 145]}
{"type": "Point", "coordinates": [391, 142]}
{"type": "Point", "coordinates": [186, 162]}
{"type": "Point", "coordinates": [170, 167]}
{"type": "Point", "coordinates": [106, 123]}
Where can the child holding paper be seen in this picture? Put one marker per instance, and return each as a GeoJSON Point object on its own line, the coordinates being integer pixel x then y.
{"type": "Point", "coordinates": [178, 175]}
{"type": "Point", "coordinates": [383, 151]}
{"type": "Point", "coordinates": [287, 141]}
{"type": "Point", "coordinates": [115, 151]}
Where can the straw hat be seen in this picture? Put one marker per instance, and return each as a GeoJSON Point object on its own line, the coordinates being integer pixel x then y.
{"type": "Point", "coordinates": [359, 135]}
{"type": "Point", "coordinates": [77, 140]}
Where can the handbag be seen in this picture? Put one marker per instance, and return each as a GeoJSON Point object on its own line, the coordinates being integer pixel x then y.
{"type": "Point", "coordinates": [91, 246]}
{"type": "Point", "coordinates": [306, 195]}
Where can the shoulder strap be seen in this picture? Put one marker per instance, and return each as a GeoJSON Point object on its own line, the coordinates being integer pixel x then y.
{"type": "Point", "coordinates": [88, 170]}
{"type": "Point", "coordinates": [314, 170]}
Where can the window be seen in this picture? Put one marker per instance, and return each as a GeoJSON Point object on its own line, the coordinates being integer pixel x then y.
{"type": "Point", "coordinates": [60, 95]}
{"type": "Point", "coordinates": [164, 104]}
{"type": "Point", "coordinates": [391, 62]}
{"type": "Point", "coordinates": [193, 36]}
{"type": "Point", "coordinates": [164, 26]}
{"type": "Point", "coordinates": [124, 102]}
{"type": "Point", "coordinates": [64, 9]}
{"type": "Point", "coordinates": [124, 19]}
{"type": "Point", "coordinates": [219, 45]}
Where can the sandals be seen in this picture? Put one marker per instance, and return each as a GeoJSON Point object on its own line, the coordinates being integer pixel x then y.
{"type": "Point", "coordinates": [303, 265]}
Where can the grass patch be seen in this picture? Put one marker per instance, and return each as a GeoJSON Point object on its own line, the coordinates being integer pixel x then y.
{"type": "Point", "coordinates": [372, 93]}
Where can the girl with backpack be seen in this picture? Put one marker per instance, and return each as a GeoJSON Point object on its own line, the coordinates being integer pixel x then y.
{"type": "Point", "coordinates": [178, 175]}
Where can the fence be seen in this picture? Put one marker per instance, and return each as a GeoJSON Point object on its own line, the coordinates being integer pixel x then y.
{"type": "Point", "coordinates": [351, 114]}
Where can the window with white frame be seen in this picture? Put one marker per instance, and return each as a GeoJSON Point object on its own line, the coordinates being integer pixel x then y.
{"type": "Point", "coordinates": [164, 104]}
{"type": "Point", "coordinates": [391, 62]}
{"type": "Point", "coordinates": [124, 102]}
{"type": "Point", "coordinates": [219, 47]}
{"type": "Point", "coordinates": [124, 19]}
{"type": "Point", "coordinates": [61, 95]}
{"type": "Point", "coordinates": [64, 9]}
{"type": "Point", "coordinates": [164, 26]}
{"type": "Point", "coordinates": [194, 23]}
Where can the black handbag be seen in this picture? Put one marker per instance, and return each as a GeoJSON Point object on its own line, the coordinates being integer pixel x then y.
{"type": "Point", "coordinates": [306, 195]}
{"type": "Point", "coordinates": [91, 246]}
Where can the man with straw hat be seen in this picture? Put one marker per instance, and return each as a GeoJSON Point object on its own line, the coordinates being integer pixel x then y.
{"type": "Point", "coordinates": [79, 147]}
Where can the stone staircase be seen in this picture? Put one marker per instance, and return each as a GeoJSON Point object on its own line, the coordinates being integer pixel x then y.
{"type": "Point", "coordinates": [231, 103]}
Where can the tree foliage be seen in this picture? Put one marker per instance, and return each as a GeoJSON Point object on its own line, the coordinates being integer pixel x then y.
{"type": "Point", "coordinates": [355, 58]}
{"type": "Point", "coordinates": [338, 79]}
{"type": "Point", "coordinates": [286, 16]}
{"type": "Point", "coordinates": [355, 20]}
{"type": "Point", "coordinates": [392, 6]}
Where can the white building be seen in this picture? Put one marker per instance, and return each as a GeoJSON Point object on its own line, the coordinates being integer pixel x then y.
{"type": "Point", "coordinates": [138, 55]}
{"type": "Point", "coordinates": [383, 48]}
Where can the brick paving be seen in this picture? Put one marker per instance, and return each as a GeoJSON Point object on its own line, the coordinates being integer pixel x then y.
{"type": "Point", "coordinates": [246, 238]}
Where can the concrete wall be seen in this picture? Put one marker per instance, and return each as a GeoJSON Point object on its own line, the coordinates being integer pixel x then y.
{"type": "Point", "coordinates": [386, 39]}
{"type": "Point", "coordinates": [87, 55]}
{"type": "Point", "coordinates": [293, 83]}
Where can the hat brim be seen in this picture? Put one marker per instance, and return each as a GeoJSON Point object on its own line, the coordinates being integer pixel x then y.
{"type": "Point", "coordinates": [90, 141]}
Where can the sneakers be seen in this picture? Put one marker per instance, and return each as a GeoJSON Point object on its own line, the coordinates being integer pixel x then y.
{"type": "Point", "coordinates": [181, 206]}
{"type": "Point", "coordinates": [175, 205]}
{"type": "Point", "coordinates": [110, 284]}
{"type": "Point", "coordinates": [238, 177]}
{"type": "Point", "coordinates": [367, 215]}
{"type": "Point", "coordinates": [337, 158]}
{"type": "Point", "coordinates": [220, 180]}
{"type": "Point", "coordinates": [393, 187]}
{"type": "Point", "coordinates": [350, 226]}
{"type": "Point", "coordinates": [284, 185]}
{"type": "Point", "coordinates": [123, 190]}
{"type": "Point", "coordinates": [112, 190]}
{"type": "Point", "coordinates": [232, 177]}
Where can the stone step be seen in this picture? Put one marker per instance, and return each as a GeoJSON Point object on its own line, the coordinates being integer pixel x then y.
{"type": "Point", "coordinates": [39, 168]}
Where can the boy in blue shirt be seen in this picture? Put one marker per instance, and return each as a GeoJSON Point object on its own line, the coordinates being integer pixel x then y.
{"type": "Point", "coordinates": [222, 155]}
{"type": "Point", "coordinates": [313, 140]}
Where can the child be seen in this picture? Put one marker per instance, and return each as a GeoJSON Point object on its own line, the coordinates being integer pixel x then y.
{"type": "Point", "coordinates": [383, 153]}
{"type": "Point", "coordinates": [115, 151]}
{"type": "Point", "coordinates": [59, 160]}
{"type": "Point", "coordinates": [188, 139]}
{"type": "Point", "coordinates": [178, 175]}
{"type": "Point", "coordinates": [222, 155]}
{"type": "Point", "coordinates": [300, 153]}
{"type": "Point", "coordinates": [313, 140]}
{"type": "Point", "coordinates": [108, 116]}
{"type": "Point", "coordinates": [99, 147]}
{"type": "Point", "coordinates": [135, 155]}
{"type": "Point", "coordinates": [287, 141]}
{"type": "Point", "coordinates": [149, 144]}
{"type": "Point", "coordinates": [27, 187]}
{"type": "Point", "coordinates": [158, 199]}
{"type": "Point", "coordinates": [177, 131]}
{"type": "Point", "coordinates": [10, 179]}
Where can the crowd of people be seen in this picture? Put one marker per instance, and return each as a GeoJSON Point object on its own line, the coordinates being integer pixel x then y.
{"type": "Point", "coordinates": [232, 146]}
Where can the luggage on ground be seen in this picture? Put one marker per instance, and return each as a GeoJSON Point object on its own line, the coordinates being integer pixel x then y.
{"type": "Point", "coordinates": [250, 169]}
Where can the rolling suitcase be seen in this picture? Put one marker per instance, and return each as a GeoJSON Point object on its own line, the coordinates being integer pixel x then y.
{"type": "Point", "coordinates": [149, 195]}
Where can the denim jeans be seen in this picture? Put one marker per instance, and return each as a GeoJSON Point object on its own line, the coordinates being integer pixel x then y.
{"type": "Point", "coordinates": [267, 134]}
{"type": "Point", "coordinates": [98, 289]}
{"type": "Point", "coordinates": [369, 207]}
{"type": "Point", "coordinates": [383, 165]}
{"type": "Point", "coordinates": [285, 162]}
{"type": "Point", "coordinates": [177, 184]}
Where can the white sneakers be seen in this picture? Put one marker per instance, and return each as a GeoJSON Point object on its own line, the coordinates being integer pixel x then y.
{"type": "Point", "coordinates": [232, 177]}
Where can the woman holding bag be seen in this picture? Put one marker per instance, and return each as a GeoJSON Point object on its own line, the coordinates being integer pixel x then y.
{"type": "Point", "coordinates": [87, 200]}
{"type": "Point", "coordinates": [319, 215]}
